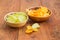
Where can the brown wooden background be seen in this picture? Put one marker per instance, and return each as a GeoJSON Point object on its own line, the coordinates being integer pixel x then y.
{"type": "Point", "coordinates": [49, 30]}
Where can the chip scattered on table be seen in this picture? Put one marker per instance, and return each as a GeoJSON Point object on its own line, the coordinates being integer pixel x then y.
{"type": "Point", "coordinates": [33, 28]}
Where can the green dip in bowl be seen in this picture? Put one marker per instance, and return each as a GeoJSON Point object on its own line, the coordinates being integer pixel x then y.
{"type": "Point", "coordinates": [16, 19]}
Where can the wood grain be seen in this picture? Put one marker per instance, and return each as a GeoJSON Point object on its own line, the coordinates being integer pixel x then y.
{"type": "Point", "coordinates": [49, 30]}
{"type": "Point", "coordinates": [6, 6]}
{"type": "Point", "coordinates": [22, 35]}
{"type": "Point", "coordinates": [28, 3]}
{"type": "Point", "coordinates": [53, 25]}
{"type": "Point", "coordinates": [41, 34]}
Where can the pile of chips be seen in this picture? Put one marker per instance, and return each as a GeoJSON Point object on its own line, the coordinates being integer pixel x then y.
{"type": "Point", "coordinates": [39, 12]}
{"type": "Point", "coordinates": [32, 28]}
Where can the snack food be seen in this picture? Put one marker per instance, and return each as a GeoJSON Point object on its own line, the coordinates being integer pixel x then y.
{"type": "Point", "coordinates": [16, 17]}
{"type": "Point", "coordinates": [39, 12]}
{"type": "Point", "coordinates": [33, 28]}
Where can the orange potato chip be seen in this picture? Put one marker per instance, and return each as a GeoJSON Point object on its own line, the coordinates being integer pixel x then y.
{"type": "Point", "coordinates": [29, 31]}
{"type": "Point", "coordinates": [29, 27]}
{"type": "Point", "coordinates": [40, 12]}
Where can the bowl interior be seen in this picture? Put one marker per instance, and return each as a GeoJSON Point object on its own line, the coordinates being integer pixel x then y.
{"type": "Point", "coordinates": [35, 8]}
{"type": "Point", "coordinates": [14, 13]}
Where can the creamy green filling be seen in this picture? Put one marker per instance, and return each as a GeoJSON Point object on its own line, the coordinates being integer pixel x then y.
{"type": "Point", "coordinates": [16, 17]}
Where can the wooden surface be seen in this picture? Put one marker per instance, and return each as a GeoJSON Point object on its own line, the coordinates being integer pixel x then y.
{"type": "Point", "coordinates": [49, 30]}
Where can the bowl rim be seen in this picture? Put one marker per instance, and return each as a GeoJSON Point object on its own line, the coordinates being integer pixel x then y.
{"type": "Point", "coordinates": [35, 16]}
{"type": "Point", "coordinates": [13, 13]}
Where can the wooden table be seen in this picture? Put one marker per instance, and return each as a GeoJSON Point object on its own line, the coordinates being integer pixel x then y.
{"type": "Point", "coordinates": [49, 30]}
